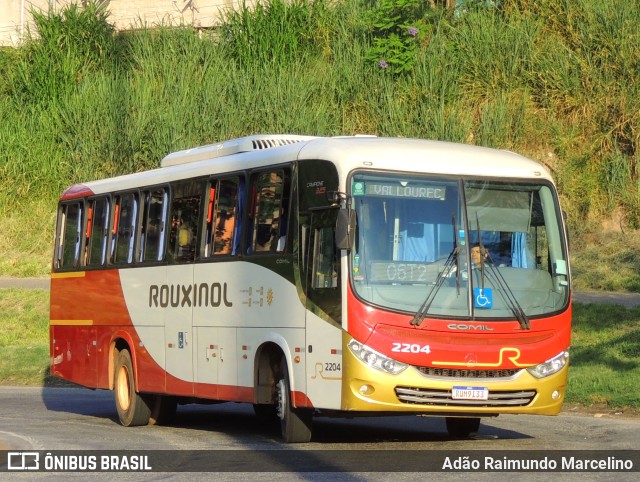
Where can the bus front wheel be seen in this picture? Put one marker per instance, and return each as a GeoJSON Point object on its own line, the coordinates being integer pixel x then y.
{"type": "Point", "coordinates": [462, 427]}
{"type": "Point", "coordinates": [131, 406]}
{"type": "Point", "coordinates": [295, 423]}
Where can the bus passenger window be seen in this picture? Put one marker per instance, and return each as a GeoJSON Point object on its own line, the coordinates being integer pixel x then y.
{"type": "Point", "coordinates": [268, 209]}
{"type": "Point", "coordinates": [225, 219]}
{"type": "Point", "coordinates": [221, 217]}
{"type": "Point", "coordinates": [97, 232]}
{"type": "Point", "coordinates": [125, 221]}
{"type": "Point", "coordinates": [185, 212]}
{"type": "Point", "coordinates": [153, 227]}
{"type": "Point", "coordinates": [69, 237]}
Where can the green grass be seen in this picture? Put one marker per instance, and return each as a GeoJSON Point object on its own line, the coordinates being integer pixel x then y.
{"type": "Point", "coordinates": [605, 356]}
{"type": "Point", "coordinates": [605, 349]}
{"type": "Point", "coordinates": [24, 336]}
{"type": "Point", "coordinates": [606, 260]}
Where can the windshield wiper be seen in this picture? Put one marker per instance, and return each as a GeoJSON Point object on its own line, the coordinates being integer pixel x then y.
{"type": "Point", "coordinates": [509, 297]}
{"type": "Point", "coordinates": [498, 280]}
{"type": "Point", "coordinates": [454, 257]}
{"type": "Point", "coordinates": [418, 318]}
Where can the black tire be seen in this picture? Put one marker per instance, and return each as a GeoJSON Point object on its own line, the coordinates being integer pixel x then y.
{"type": "Point", "coordinates": [462, 427]}
{"type": "Point", "coordinates": [295, 423]}
{"type": "Point", "coordinates": [162, 407]}
{"type": "Point", "coordinates": [131, 406]}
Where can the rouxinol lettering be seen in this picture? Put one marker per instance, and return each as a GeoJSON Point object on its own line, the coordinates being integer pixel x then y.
{"type": "Point", "coordinates": [196, 295]}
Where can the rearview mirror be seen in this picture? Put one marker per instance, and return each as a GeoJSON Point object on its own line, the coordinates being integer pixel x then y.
{"type": "Point", "coordinates": [345, 228]}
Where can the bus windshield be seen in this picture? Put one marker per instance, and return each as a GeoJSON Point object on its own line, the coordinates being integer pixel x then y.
{"type": "Point", "coordinates": [473, 249]}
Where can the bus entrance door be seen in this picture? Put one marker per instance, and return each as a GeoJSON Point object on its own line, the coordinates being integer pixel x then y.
{"type": "Point", "coordinates": [323, 319]}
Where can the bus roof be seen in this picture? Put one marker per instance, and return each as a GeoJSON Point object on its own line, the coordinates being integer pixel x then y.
{"type": "Point", "coordinates": [347, 153]}
{"type": "Point", "coordinates": [424, 156]}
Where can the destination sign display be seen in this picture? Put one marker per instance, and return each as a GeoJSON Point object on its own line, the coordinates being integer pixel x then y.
{"type": "Point", "coordinates": [397, 189]}
{"type": "Point", "coordinates": [398, 272]}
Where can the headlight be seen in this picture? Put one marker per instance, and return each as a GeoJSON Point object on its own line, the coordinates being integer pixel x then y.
{"type": "Point", "coordinates": [550, 367]}
{"type": "Point", "coordinates": [376, 360]}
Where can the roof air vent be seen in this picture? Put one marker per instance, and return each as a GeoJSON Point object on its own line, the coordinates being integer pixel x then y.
{"type": "Point", "coordinates": [232, 146]}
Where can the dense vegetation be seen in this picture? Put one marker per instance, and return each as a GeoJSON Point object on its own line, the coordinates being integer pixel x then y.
{"type": "Point", "coordinates": [557, 80]}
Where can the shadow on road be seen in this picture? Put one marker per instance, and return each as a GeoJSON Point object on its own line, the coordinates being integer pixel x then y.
{"type": "Point", "coordinates": [237, 420]}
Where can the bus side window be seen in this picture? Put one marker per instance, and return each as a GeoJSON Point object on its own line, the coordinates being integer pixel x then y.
{"type": "Point", "coordinates": [325, 273]}
{"type": "Point", "coordinates": [225, 218]}
{"type": "Point", "coordinates": [268, 207]}
{"type": "Point", "coordinates": [69, 237]}
{"type": "Point", "coordinates": [153, 225]}
{"type": "Point", "coordinates": [125, 221]}
{"type": "Point", "coordinates": [185, 216]}
{"type": "Point", "coordinates": [210, 218]}
{"type": "Point", "coordinates": [97, 231]}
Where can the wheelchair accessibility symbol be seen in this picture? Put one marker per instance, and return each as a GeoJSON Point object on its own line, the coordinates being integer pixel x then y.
{"type": "Point", "coordinates": [483, 298]}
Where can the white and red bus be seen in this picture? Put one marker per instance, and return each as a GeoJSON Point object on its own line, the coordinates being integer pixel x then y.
{"type": "Point", "coordinates": [316, 276]}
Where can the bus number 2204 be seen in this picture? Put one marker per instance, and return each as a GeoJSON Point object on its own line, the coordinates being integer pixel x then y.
{"type": "Point", "coordinates": [410, 348]}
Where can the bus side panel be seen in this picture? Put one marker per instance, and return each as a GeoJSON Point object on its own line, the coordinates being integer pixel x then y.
{"type": "Point", "coordinates": [150, 333]}
{"type": "Point", "coordinates": [230, 393]}
{"type": "Point", "coordinates": [230, 301]}
{"type": "Point", "coordinates": [82, 305]}
{"type": "Point", "coordinates": [324, 363]}
{"type": "Point", "coordinates": [87, 315]}
{"type": "Point", "coordinates": [73, 354]}
{"type": "Point", "coordinates": [151, 374]}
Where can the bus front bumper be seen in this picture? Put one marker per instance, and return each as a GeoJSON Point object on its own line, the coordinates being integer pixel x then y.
{"type": "Point", "coordinates": [367, 389]}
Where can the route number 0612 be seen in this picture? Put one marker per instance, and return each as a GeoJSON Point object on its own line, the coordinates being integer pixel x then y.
{"type": "Point", "coordinates": [410, 348]}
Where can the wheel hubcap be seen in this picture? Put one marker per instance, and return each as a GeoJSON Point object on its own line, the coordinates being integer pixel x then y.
{"type": "Point", "coordinates": [123, 390]}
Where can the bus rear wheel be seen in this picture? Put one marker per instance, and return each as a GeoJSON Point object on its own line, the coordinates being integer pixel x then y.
{"type": "Point", "coordinates": [131, 406]}
{"type": "Point", "coordinates": [462, 427]}
{"type": "Point", "coordinates": [295, 423]}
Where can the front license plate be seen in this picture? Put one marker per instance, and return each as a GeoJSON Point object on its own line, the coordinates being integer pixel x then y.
{"type": "Point", "coordinates": [470, 393]}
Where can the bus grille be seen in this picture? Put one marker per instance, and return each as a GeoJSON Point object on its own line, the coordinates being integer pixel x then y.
{"type": "Point", "coordinates": [455, 373]}
{"type": "Point", "coordinates": [442, 398]}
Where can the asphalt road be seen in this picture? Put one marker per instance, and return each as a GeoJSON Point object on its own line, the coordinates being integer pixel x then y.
{"type": "Point", "coordinates": [75, 419]}
{"type": "Point", "coordinates": [25, 283]}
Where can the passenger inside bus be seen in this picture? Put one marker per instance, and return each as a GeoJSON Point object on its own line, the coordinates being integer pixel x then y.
{"type": "Point", "coordinates": [185, 237]}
